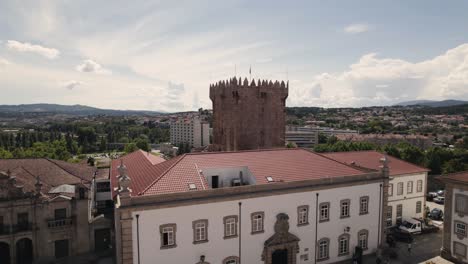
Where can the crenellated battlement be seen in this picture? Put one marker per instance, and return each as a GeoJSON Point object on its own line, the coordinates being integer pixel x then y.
{"type": "Point", "coordinates": [234, 82]}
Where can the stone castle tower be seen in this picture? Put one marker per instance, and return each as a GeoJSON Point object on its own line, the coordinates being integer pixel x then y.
{"type": "Point", "coordinates": [248, 116]}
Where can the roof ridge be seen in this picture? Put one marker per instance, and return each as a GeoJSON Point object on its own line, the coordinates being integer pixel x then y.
{"type": "Point", "coordinates": [162, 174]}
{"type": "Point", "coordinates": [363, 169]}
{"type": "Point", "coordinates": [454, 173]}
{"type": "Point", "coordinates": [241, 151]}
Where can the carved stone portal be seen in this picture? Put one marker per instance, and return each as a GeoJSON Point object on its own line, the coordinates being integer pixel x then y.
{"type": "Point", "coordinates": [282, 247]}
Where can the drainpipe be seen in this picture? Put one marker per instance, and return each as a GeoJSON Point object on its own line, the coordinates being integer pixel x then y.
{"type": "Point", "coordinates": [240, 232]}
{"type": "Point", "coordinates": [316, 226]}
{"type": "Point", "coordinates": [380, 220]}
{"type": "Point", "coordinates": [138, 237]}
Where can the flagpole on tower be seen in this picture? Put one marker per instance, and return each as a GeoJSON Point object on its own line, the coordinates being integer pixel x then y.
{"type": "Point", "coordinates": [250, 72]}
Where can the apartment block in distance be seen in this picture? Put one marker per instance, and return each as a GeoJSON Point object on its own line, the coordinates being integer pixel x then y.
{"type": "Point", "coordinates": [191, 130]}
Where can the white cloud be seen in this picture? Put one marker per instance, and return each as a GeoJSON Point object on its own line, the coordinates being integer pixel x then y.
{"type": "Point", "coordinates": [70, 85]}
{"type": "Point", "coordinates": [92, 66]}
{"type": "Point", "coordinates": [3, 62]}
{"type": "Point", "coordinates": [357, 28]}
{"type": "Point", "coordinates": [381, 81]}
{"type": "Point", "coordinates": [49, 53]}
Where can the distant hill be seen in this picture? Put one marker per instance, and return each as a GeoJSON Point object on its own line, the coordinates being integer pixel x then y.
{"type": "Point", "coordinates": [431, 103]}
{"type": "Point", "coordinates": [68, 109]}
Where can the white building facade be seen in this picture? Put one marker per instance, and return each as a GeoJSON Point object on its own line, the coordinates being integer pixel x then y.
{"type": "Point", "coordinates": [319, 220]}
{"type": "Point", "coordinates": [407, 186]}
{"type": "Point", "coordinates": [406, 197]}
{"type": "Point", "coordinates": [192, 131]}
{"type": "Point", "coordinates": [455, 241]}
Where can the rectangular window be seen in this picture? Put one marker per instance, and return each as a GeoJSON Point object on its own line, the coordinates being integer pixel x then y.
{"type": "Point", "coordinates": [324, 212]}
{"type": "Point", "coordinates": [390, 189]}
{"type": "Point", "coordinates": [230, 226]}
{"type": "Point", "coordinates": [460, 228]}
{"type": "Point", "coordinates": [459, 249]}
{"type": "Point", "coordinates": [168, 235]}
{"type": "Point", "coordinates": [200, 231]}
{"type": "Point", "coordinates": [400, 188]}
{"type": "Point", "coordinates": [389, 216]}
{"type": "Point", "coordinates": [303, 215]}
{"type": "Point", "coordinates": [399, 213]}
{"type": "Point", "coordinates": [60, 213]}
{"type": "Point", "coordinates": [343, 245]}
{"type": "Point", "coordinates": [461, 204]}
{"type": "Point", "coordinates": [364, 205]}
{"type": "Point", "coordinates": [418, 207]}
{"type": "Point", "coordinates": [344, 208]}
{"type": "Point", "coordinates": [419, 186]}
{"type": "Point", "coordinates": [362, 242]}
{"type": "Point", "coordinates": [323, 250]}
{"type": "Point", "coordinates": [409, 187]}
{"type": "Point", "coordinates": [257, 222]}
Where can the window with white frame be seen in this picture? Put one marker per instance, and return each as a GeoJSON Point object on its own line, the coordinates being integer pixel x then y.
{"type": "Point", "coordinates": [409, 187]}
{"type": "Point", "coordinates": [344, 208]}
{"type": "Point", "coordinates": [364, 205]}
{"type": "Point", "coordinates": [343, 244]}
{"type": "Point", "coordinates": [460, 228]}
{"type": "Point", "coordinates": [363, 237]}
{"type": "Point", "coordinates": [399, 213]}
{"type": "Point", "coordinates": [390, 189]}
{"type": "Point", "coordinates": [418, 207]}
{"type": "Point", "coordinates": [323, 249]}
{"type": "Point", "coordinates": [303, 215]}
{"type": "Point", "coordinates": [389, 216]}
{"type": "Point", "coordinates": [461, 204]}
{"type": "Point", "coordinates": [257, 222]}
{"type": "Point", "coordinates": [459, 249]}
{"type": "Point", "coordinates": [400, 188]}
{"type": "Point", "coordinates": [419, 186]}
{"type": "Point", "coordinates": [168, 235]}
{"type": "Point", "coordinates": [200, 231]}
{"type": "Point", "coordinates": [230, 226]}
{"type": "Point", "coordinates": [324, 212]}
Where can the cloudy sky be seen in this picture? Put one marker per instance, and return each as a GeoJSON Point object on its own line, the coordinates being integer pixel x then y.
{"type": "Point", "coordinates": [162, 55]}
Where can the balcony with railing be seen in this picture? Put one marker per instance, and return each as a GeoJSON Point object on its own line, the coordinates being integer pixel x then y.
{"type": "Point", "coordinates": [22, 227]}
{"type": "Point", "coordinates": [58, 223]}
{"type": "Point", "coordinates": [5, 230]}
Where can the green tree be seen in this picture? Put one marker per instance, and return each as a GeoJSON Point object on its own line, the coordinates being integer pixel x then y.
{"type": "Point", "coordinates": [130, 147]}
{"type": "Point", "coordinates": [5, 154]}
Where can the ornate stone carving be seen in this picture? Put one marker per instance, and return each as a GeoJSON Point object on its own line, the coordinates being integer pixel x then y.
{"type": "Point", "coordinates": [281, 240]}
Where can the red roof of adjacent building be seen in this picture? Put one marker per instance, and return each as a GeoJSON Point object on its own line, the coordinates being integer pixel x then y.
{"type": "Point", "coordinates": [457, 176]}
{"type": "Point", "coordinates": [371, 160]}
{"type": "Point", "coordinates": [175, 175]}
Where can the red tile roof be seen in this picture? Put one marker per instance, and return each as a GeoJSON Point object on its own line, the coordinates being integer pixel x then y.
{"type": "Point", "coordinates": [457, 176]}
{"type": "Point", "coordinates": [142, 168]}
{"type": "Point", "coordinates": [52, 173]}
{"type": "Point", "coordinates": [371, 160]}
{"type": "Point", "coordinates": [176, 174]}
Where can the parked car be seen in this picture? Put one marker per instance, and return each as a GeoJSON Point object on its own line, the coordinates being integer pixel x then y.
{"type": "Point", "coordinates": [431, 195]}
{"type": "Point", "coordinates": [441, 193]}
{"type": "Point", "coordinates": [439, 200]}
{"type": "Point", "coordinates": [436, 214]}
{"type": "Point", "coordinates": [396, 234]}
{"type": "Point", "coordinates": [417, 226]}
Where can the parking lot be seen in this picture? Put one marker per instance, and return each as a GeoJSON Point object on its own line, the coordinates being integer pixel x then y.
{"type": "Point", "coordinates": [424, 247]}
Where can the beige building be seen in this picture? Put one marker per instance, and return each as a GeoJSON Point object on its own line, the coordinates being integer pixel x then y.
{"type": "Point", "coordinates": [302, 139]}
{"type": "Point", "coordinates": [193, 131]}
{"type": "Point", "coordinates": [455, 242]}
{"type": "Point", "coordinates": [46, 211]}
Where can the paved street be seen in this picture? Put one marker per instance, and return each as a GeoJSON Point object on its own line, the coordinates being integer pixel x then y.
{"type": "Point", "coordinates": [424, 247]}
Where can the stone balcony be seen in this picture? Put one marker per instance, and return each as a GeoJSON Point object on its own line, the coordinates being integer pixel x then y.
{"type": "Point", "coordinates": [57, 223]}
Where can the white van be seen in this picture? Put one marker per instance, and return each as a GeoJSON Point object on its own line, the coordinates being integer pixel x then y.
{"type": "Point", "coordinates": [412, 226]}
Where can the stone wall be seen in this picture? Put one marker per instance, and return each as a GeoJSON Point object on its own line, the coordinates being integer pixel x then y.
{"type": "Point", "coordinates": [248, 116]}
